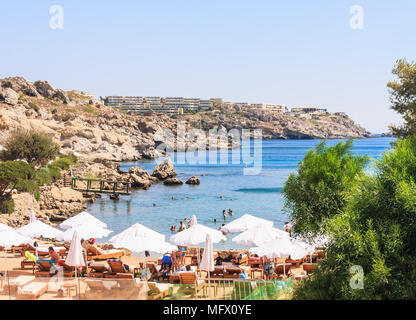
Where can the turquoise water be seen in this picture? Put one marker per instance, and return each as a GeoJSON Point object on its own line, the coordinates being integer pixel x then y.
{"type": "Point", "coordinates": [259, 194]}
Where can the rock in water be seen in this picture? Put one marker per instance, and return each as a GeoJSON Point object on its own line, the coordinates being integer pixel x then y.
{"type": "Point", "coordinates": [164, 170]}
{"type": "Point", "coordinates": [193, 180]}
{"type": "Point", "coordinates": [172, 182]}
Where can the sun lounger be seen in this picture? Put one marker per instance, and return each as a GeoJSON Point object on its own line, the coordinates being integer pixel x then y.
{"type": "Point", "coordinates": [95, 253]}
{"type": "Point", "coordinates": [157, 290]}
{"type": "Point", "coordinates": [32, 291]}
{"type": "Point", "coordinates": [43, 268]}
{"type": "Point", "coordinates": [309, 267]}
{"type": "Point", "coordinates": [280, 270]}
{"type": "Point", "coordinates": [295, 262]}
{"type": "Point", "coordinates": [99, 289]}
{"type": "Point", "coordinates": [232, 272]}
{"type": "Point", "coordinates": [190, 282]}
{"type": "Point", "coordinates": [117, 270]}
{"type": "Point", "coordinates": [97, 270]}
{"type": "Point", "coordinates": [19, 282]}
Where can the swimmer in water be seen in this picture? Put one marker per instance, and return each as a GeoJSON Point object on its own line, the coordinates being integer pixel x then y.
{"type": "Point", "coordinates": [173, 228]}
{"type": "Point", "coordinates": [221, 196]}
{"type": "Point", "coordinates": [154, 204]}
{"type": "Point", "coordinates": [173, 198]}
{"type": "Point", "coordinates": [224, 214]}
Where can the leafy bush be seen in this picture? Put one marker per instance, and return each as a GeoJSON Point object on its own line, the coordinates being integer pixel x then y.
{"type": "Point", "coordinates": [62, 163]}
{"type": "Point", "coordinates": [54, 172]}
{"type": "Point", "coordinates": [376, 231]}
{"type": "Point", "coordinates": [6, 84]}
{"type": "Point", "coordinates": [43, 177]}
{"type": "Point", "coordinates": [320, 187]}
{"type": "Point", "coordinates": [15, 175]}
{"type": "Point", "coordinates": [6, 204]}
{"type": "Point", "coordinates": [34, 147]}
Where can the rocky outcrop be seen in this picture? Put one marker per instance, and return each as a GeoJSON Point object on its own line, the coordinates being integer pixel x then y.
{"type": "Point", "coordinates": [164, 170]}
{"type": "Point", "coordinates": [193, 180]}
{"type": "Point", "coordinates": [141, 178]}
{"type": "Point", "coordinates": [9, 96]}
{"type": "Point", "coordinates": [58, 204]}
{"type": "Point", "coordinates": [172, 182]}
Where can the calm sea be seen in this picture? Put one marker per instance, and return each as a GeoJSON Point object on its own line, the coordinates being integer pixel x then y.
{"type": "Point", "coordinates": [259, 194]}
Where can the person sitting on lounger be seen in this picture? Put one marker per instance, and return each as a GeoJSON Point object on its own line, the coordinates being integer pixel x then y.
{"type": "Point", "coordinates": [54, 255]}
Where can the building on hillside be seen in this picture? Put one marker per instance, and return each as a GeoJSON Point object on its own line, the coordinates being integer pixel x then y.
{"type": "Point", "coordinates": [191, 104]}
{"type": "Point", "coordinates": [205, 104]}
{"type": "Point", "coordinates": [299, 110]}
{"type": "Point", "coordinates": [270, 107]}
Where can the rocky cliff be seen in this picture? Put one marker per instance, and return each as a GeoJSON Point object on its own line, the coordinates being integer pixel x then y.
{"type": "Point", "coordinates": [276, 125]}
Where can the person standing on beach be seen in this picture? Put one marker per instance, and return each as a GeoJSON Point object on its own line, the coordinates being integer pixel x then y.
{"type": "Point", "coordinates": [224, 214]}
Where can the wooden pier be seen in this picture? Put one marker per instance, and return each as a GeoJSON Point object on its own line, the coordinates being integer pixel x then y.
{"type": "Point", "coordinates": [115, 188]}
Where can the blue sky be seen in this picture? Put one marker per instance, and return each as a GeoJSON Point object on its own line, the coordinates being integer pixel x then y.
{"type": "Point", "coordinates": [290, 52]}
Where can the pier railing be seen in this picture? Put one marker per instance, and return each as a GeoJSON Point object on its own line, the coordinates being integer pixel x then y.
{"type": "Point", "coordinates": [99, 186]}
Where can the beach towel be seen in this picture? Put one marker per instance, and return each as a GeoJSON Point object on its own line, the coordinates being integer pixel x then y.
{"type": "Point", "coordinates": [30, 256]}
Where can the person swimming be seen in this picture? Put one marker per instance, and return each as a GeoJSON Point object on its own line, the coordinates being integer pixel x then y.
{"type": "Point", "coordinates": [230, 212]}
{"type": "Point", "coordinates": [173, 228]}
{"type": "Point", "coordinates": [224, 214]}
{"type": "Point", "coordinates": [182, 227]}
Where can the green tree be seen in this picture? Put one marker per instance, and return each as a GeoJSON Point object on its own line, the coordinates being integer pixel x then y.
{"type": "Point", "coordinates": [34, 147]}
{"type": "Point", "coordinates": [403, 97]}
{"type": "Point", "coordinates": [319, 189]}
{"type": "Point", "coordinates": [377, 231]}
{"type": "Point", "coordinates": [13, 174]}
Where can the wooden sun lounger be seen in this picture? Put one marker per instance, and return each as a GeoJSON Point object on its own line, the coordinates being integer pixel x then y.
{"type": "Point", "coordinates": [189, 279]}
{"type": "Point", "coordinates": [161, 289]}
{"type": "Point", "coordinates": [117, 270]}
{"type": "Point", "coordinates": [33, 290]}
{"type": "Point", "coordinates": [17, 283]}
{"type": "Point", "coordinates": [97, 270]}
{"type": "Point", "coordinates": [98, 290]}
{"type": "Point", "coordinates": [309, 267]}
{"type": "Point", "coordinates": [95, 253]}
{"type": "Point", "coordinates": [43, 269]}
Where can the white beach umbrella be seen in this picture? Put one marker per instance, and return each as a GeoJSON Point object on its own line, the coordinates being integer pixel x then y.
{"type": "Point", "coordinates": [244, 223]}
{"type": "Point", "coordinates": [37, 228]}
{"type": "Point", "coordinates": [82, 218]}
{"type": "Point", "coordinates": [193, 221]}
{"type": "Point", "coordinates": [133, 235]}
{"type": "Point", "coordinates": [207, 261]}
{"type": "Point", "coordinates": [156, 248]}
{"type": "Point", "coordinates": [281, 248]}
{"type": "Point", "coordinates": [84, 231]}
{"type": "Point", "coordinates": [75, 256]}
{"type": "Point", "coordinates": [9, 237]}
{"type": "Point", "coordinates": [5, 227]}
{"type": "Point", "coordinates": [195, 235]}
{"type": "Point", "coordinates": [258, 235]}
